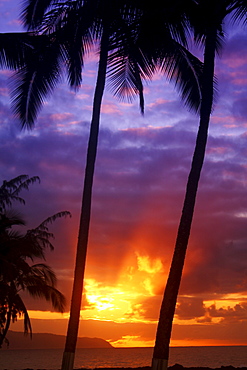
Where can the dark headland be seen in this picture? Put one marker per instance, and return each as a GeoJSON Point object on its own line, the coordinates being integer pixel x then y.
{"type": "Point", "coordinates": [17, 340]}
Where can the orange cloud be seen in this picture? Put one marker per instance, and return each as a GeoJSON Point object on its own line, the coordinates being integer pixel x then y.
{"type": "Point", "coordinates": [82, 96]}
{"type": "Point", "coordinates": [240, 81]}
{"type": "Point", "coordinates": [111, 108]}
{"type": "Point", "coordinates": [158, 102]}
{"type": "Point", "coordinates": [4, 91]}
{"type": "Point", "coordinates": [145, 263]}
{"type": "Point", "coordinates": [61, 116]}
{"type": "Point", "coordinates": [218, 150]}
{"type": "Point", "coordinates": [225, 120]}
{"type": "Point", "coordinates": [235, 61]}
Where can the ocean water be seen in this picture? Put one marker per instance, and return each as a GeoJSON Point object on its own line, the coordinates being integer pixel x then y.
{"type": "Point", "coordinates": [123, 357]}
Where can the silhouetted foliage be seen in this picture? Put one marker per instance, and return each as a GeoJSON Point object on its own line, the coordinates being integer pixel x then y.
{"type": "Point", "coordinates": [134, 40]}
{"type": "Point", "coordinates": [206, 19]}
{"type": "Point", "coordinates": [128, 54]}
{"type": "Point", "coordinates": [17, 250]}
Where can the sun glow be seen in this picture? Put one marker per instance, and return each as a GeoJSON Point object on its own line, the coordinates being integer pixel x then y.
{"type": "Point", "coordinates": [132, 341]}
{"type": "Point", "coordinates": [122, 302]}
{"type": "Point", "coordinates": [134, 300]}
{"type": "Point", "coordinates": [104, 302]}
{"type": "Point", "coordinates": [47, 315]}
{"type": "Point", "coordinates": [150, 266]}
{"type": "Point", "coordinates": [108, 302]}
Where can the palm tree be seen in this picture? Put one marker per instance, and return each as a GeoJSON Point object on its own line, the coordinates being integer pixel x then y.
{"type": "Point", "coordinates": [16, 251]}
{"type": "Point", "coordinates": [102, 23]}
{"type": "Point", "coordinates": [72, 27]}
{"type": "Point", "coordinates": [207, 20]}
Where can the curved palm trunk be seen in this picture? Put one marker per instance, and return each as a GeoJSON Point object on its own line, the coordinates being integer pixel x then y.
{"type": "Point", "coordinates": [70, 345]}
{"type": "Point", "coordinates": [163, 335]}
{"type": "Point", "coordinates": [7, 324]}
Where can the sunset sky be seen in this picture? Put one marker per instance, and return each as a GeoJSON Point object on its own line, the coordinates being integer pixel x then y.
{"type": "Point", "coordinates": [141, 173]}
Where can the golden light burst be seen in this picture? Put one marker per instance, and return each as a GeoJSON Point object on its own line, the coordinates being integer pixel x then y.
{"type": "Point", "coordinates": [121, 302]}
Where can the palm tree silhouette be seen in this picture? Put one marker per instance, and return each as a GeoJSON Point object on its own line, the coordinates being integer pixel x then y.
{"type": "Point", "coordinates": [16, 252]}
{"type": "Point", "coordinates": [104, 23]}
{"type": "Point", "coordinates": [207, 20]}
{"type": "Point", "coordinates": [131, 55]}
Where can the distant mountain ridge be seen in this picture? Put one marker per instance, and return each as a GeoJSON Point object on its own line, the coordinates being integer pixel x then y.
{"type": "Point", "coordinates": [17, 340]}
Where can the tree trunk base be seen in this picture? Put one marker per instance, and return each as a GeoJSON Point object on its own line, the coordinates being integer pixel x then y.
{"type": "Point", "coordinates": [68, 361]}
{"type": "Point", "coordinates": [159, 364]}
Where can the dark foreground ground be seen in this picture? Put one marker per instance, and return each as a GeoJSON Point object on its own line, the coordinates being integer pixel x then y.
{"type": "Point", "coordinates": [174, 367]}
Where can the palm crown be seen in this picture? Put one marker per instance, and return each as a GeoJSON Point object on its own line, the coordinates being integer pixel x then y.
{"type": "Point", "coordinates": [17, 250]}
{"type": "Point", "coordinates": [63, 32]}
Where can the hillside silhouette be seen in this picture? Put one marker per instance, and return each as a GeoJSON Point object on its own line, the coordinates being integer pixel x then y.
{"type": "Point", "coordinates": [17, 340]}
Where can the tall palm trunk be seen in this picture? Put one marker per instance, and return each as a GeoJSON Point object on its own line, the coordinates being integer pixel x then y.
{"type": "Point", "coordinates": [70, 345]}
{"type": "Point", "coordinates": [163, 335]}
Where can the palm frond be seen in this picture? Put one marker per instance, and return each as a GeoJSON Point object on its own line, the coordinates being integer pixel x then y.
{"type": "Point", "coordinates": [53, 218]}
{"type": "Point", "coordinates": [34, 10]}
{"type": "Point", "coordinates": [17, 181]}
{"type": "Point", "coordinates": [21, 246]}
{"type": "Point", "coordinates": [32, 83]}
{"type": "Point", "coordinates": [45, 272]}
{"type": "Point", "coordinates": [25, 182]}
{"type": "Point", "coordinates": [207, 16]}
{"type": "Point", "coordinates": [238, 10]}
{"type": "Point", "coordinates": [50, 294]}
{"type": "Point", "coordinates": [76, 44]}
{"type": "Point", "coordinates": [127, 68]}
{"type": "Point", "coordinates": [124, 79]}
{"type": "Point", "coordinates": [58, 300]}
{"type": "Point", "coordinates": [39, 240]}
{"type": "Point", "coordinates": [10, 190]}
{"type": "Point", "coordinates": [40, 281]}
{"type": "Point", "coordinates": [40, 235]}
{"type": "Point", "coordinates": [15, 49]}
{"type": "Point", "coordinates": [12, 218]}
{"type": "Point", "coordinates": [185, 70]}
{"type": "Point", "coordinates": [73, 25]}
{"type": "Point", "coordinates": [22, 311]}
